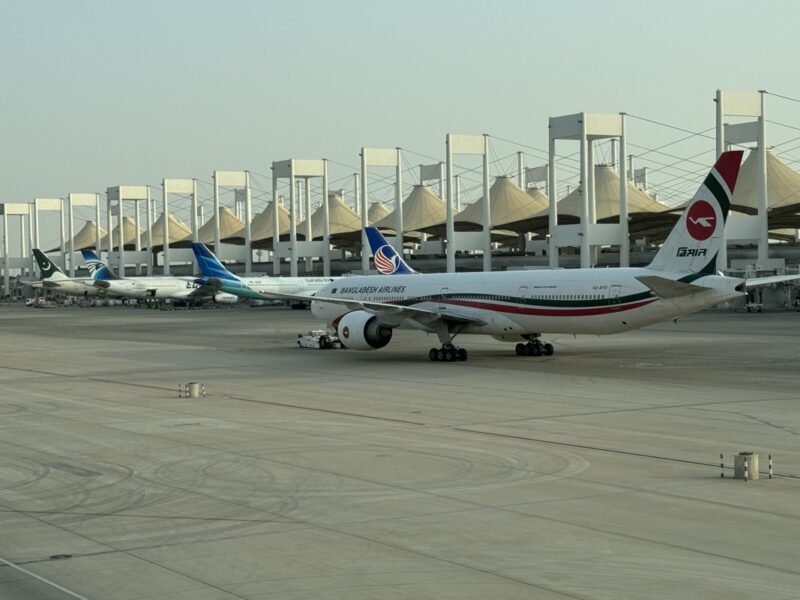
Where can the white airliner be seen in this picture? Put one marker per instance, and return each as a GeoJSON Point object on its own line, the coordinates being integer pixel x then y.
{"type": "Point", "coordinates": [253, 287]}
{"type": "Point", "coordinates": [188, 289]}
{"type": "Point", "coordinates": [53, 278]}
{"type": "Point", "coordinates": [519, 306]}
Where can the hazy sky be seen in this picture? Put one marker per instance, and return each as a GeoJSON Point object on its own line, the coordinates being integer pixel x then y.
{"type": "Point", "coordinates": [102, 93]}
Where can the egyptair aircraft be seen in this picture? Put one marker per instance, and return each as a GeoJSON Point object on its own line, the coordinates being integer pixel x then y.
{"type": "Point", "coordinates": [253, 287]}
{"type": "Point", "coordinates": [188, 289]}
{"type": "Point", "coordinates": [520, 306]}
{"type": "Point", "coordinates": [53, 278]}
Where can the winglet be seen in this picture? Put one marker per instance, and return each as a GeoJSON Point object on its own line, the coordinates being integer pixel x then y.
{"type": "Point", "coordinates": [210, 266]}
{"type": "Point", "coordinates": [387, 260]}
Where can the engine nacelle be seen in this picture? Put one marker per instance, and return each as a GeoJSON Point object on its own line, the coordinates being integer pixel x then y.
{"type": "Point", "coordinates": [225, 298]}
{"type": "Point", "coordinates": [360, 330]}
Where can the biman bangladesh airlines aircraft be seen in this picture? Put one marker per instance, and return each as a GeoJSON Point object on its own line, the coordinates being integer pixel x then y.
{"type": "Point", "coordinates": [522, 305]}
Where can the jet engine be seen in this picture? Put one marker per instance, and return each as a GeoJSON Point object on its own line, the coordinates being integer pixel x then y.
{"type": "Point", "coordinates": [225, 298]}
{"type": "Point", "coordinates": [360, 330]}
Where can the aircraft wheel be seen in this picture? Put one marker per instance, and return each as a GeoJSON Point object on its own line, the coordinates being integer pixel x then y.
{"type": "Point", "coordinates": [462, 354]}
{"type": "Point", "coordinates": [433, 354]}
{"type": "Point", "coordinates": [440, 354]}
{"type": "Point", "coordinates": [450, 355]}
{"type": "Point", "coordinates": [520, 349]}
{"type": "Point", "coordinates": [536, 350]}
{"type": "Point", "coordinates": [548, 349]}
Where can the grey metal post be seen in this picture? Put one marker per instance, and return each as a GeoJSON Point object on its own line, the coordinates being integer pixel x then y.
{"type": "Point", "coordinates": [248, 232]}
{"type": "Point", "coordinates": [451, 229]}
{"type": "Point", "coordinates": [593, 249]}
{"type": "Point", "coordinates": [195, 224]}
{"type": "Point", "coordinates": [520, 170]}
{"type": "Point", "coordinates": [293, 220]}
{"type": "Point", "coordinates": [96, 224]}
{"type": "Point", "coordinates": [552, 213]}
{"type": "Point", "coordinates": [62, 231]}
{"type": "Point", "coordinates": [584, 231]}
{"type": "Point", "coordinates": [364, 210]}
{"type": "Point", "coordinates": [309, 233]}
{"type": "Point", "coordinates": [326, 223]}
{"type": "Point", "coordinates": [398, 201]}
{"type": "Point", "coordinates": [6, 267]}
{"type": "Point", "coordinates": [165, 216]}
{"type": "Point", "coordinates": [487, 209]}
{"type": "Point", "coordinates": [33, 217]}
{"type": "Point", "coordinates": [457, 193]}
{"type": "Point", "coordinates": [121, 241]}
{"type": "Point", "coordinates": [276, 234]}
{"type": "Point", "coordinates": [441, 180]}
{"type": "Point", "coordinates": [722, 256]}
{"type": "Point", "coordinates": [149, 218]}
{"type": "Point", "coordinates": [109, 229]}
{"type": "Point", "coordinates": [625, 244]}
{"type": "Point", "coordinates": [216, 215]}
{"type": "Point", "coordinates": [763, 225]}
{"type": "Point", "coordinates": [71, 230]}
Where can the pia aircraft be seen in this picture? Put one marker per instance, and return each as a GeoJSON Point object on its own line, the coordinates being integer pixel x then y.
{"type": "Point", "coordinates": [520, 306]}
{"type": "Point", "coordinates": [189, 289]}
{"type": "Point", "coordinates": [261, 288]}
{"type": "Point", "coordinates": [53, 278]}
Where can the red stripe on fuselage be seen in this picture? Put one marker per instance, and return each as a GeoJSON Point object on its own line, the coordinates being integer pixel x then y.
{"type": "Point", "coordinates": [540, 311]}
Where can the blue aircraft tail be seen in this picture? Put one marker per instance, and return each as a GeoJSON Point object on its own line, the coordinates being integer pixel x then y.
{"type": "Point", "coordinates": [97, 268]}
{"type": "Point", "coordinates": [387, 260]}
{"type": "Point", "coordinates": [210, 266]}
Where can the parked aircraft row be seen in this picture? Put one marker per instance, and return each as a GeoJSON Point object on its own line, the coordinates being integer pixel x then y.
{"type": "Point", "coordinates": [511, 306]}
{"type": "Point", "coordinates": [520, 306]}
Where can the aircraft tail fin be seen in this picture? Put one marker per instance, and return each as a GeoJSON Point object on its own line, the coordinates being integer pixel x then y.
{"type": "Point", "coordinates": [50, 271]}
{"type": "Point", "coordinates": [97, 268]}
{"type": "Point", "coordinates": [693, 244]}
{"type": "Point", "coordinates": [210, 265]}
{"type": "Point", "coordinates": [387, 260]}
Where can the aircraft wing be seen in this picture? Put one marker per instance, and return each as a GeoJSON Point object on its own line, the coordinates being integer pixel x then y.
{"type": "Point", "coordinates": [393, 314]}
{"type": "Point", "coordinates": [759, 281]}
{"type": "Point", "coordinates": [669, 288]}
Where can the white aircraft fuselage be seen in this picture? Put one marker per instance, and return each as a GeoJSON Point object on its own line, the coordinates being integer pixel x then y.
{"type": "Point", "coordinates": [510, 304]}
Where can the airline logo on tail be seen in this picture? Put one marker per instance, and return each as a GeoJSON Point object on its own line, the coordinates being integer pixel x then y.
{"type": "Point", "coordinates": [387, 260]}
{"type": "Point", "coordinates": [48, 269]}
{"type": "Point", "coordinates": [701, 220]}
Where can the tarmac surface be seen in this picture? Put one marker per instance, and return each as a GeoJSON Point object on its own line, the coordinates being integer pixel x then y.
{"type": "Point", "coordinates": [303, 473]}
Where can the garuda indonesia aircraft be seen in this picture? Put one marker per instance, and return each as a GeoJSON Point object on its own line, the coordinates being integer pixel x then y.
{"type": "Point", "coordinates": [262, 288]}
{"type": "Point", "coordinates": [53, 278]}
{"type": "Point", "coordinates": [188, 289]}
{"type": "Point", "coordinates": [520, 306]}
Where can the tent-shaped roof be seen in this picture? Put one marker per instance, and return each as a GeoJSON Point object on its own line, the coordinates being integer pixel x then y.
{"type": "Point", "coordinates": [261, 227]}
{"type": "Point", "coordinates": [606, 185]}
{"type": "Point", "coordinates": [229, 224]}
{"type": "Point", "coordinates": [783, 185]}
{"type": "Point", "coordinates": [342, 218]}
{"type": "Point", "coordinates": [421, 209]}
{"type": "Point", "coordinates": [177, 231]}
{"type": "Point", "coordinates": [376, 212]}
{"type": "Point", "coordinates": [509, 204]}
{"type": "Point", "coordinates": [84, 239]}
{"type": "Point", "coordinates": [129, 237]}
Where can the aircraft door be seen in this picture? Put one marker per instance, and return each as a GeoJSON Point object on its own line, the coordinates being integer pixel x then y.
{"type": "Point", "coordinates": [443, 298]}
{"type": "Point", "coordinates": [522, 292]}
{"type": "Point", "coordinates": [614, 292]}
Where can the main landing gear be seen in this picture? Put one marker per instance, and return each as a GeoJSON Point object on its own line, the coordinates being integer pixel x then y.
{"type": "Point", "coordinates": [448, 353]}
{"type": "Point", "coordinates": [534, 347]}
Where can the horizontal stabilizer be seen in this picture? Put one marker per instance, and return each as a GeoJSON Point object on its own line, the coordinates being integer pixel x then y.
{"type": "Point", "coordinates": [759, 281]}
{"type": "Point", "coordinates": [668, 288]}
{"type": "Point", "coordinates": [101, 283]}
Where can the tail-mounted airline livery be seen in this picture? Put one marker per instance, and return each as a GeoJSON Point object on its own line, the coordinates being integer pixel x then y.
{"type": "Point", "coordinates": [520, 306]}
